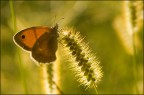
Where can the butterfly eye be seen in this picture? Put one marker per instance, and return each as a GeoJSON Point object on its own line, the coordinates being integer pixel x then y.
{"type": "Point", "coordinates": [23, 36]}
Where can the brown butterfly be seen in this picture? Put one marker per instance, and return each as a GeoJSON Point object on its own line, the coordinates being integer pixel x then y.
{"type": "Point", "coordinates": [40, 41]}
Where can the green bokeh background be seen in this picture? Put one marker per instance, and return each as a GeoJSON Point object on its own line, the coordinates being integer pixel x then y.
{"type": "Point", "coordinates": [94, 20]}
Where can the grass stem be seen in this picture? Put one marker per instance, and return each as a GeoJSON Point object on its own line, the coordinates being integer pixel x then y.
{"type": "Point", "coordinates": [20, 62]}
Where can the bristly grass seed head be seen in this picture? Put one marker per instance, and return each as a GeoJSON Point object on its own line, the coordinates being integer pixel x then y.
{"type": "Point", "coordinates": [86, 66]}
{"type": "Point", "coordinates": [133, 12]}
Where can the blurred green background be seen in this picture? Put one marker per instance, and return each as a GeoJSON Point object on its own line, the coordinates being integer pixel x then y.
{"type": "Point", "coordinates": [95, 21]}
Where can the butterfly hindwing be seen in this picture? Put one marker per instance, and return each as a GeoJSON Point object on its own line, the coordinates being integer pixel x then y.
{"type": "Point", "coordinates": [45, 47]}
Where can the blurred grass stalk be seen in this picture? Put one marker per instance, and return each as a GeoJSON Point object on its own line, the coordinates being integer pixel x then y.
{"type": "Point", "coordinates": [132, 15]}
{"type": "Point", "coordinates": [128, 25]}
{"type": "Point", "coordinates": [49, 78]}
{"type": "Point", "coordinates": [57, 76]}
{"type": "Point", "coordinates": [22, 73]}
{"type": "Point", "coordinates": [44, 79]}
{"type": "Point", "coordinates": [133, 18]}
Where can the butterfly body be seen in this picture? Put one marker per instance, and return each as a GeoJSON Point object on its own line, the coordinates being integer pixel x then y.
{"type": "Point", "coordinates": [40, 41]}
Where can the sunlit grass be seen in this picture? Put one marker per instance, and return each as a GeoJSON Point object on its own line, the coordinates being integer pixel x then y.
{"type": "Point", "coordinates": [127, 27]}
{"type": "Point", "coordinates": [113, 45]}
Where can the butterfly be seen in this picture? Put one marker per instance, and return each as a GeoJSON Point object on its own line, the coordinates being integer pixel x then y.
{"type": "Point", "coordinates": [40, 41]}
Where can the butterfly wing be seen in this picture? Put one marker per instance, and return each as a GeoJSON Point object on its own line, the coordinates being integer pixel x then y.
{"type": "Point", "coordinates": [27, 37]}
{"type": "Point", "coordinates": [45, 47]}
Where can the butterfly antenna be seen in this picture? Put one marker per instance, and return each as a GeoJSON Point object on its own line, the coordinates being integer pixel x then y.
{"type": "Point", "coordinates": [56, 24]}
{"type": "Point", "coordinates": [60, 19]}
